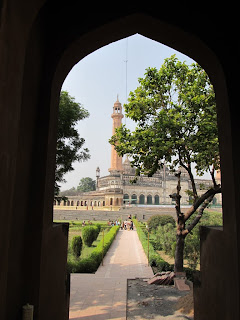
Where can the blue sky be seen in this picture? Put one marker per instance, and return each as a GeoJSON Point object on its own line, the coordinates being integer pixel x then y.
{"type": "Point", "coordinates": [96, 81]}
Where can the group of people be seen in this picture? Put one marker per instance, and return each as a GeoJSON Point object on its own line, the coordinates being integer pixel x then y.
{"type": "Point", "coordinates": [84, 223]}
{"type": "Point", "coordinates": [112, 223]}
{"type": "Point", "coordinates": [127, 225]}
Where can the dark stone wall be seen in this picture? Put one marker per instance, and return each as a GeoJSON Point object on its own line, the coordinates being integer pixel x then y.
{"type": "Point", "coordinates": [40, 41]}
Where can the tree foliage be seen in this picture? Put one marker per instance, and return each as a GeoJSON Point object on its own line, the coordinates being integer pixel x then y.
{"type": "Point", "coordinates": [176, 123]}
{"type": "Point", "coordinates": [160, 220]}
{"type": "Point", "coordinates": [69, 143]}
{"type": "Point", "coordinates": [86, 184]}
{"type": "Point", "coordinates": [175, 112]}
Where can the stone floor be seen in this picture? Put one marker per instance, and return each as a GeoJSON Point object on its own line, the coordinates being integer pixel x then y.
{"type": "Point", "coordinates": [103, 295]}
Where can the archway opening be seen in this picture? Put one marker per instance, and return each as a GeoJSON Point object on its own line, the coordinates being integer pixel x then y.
{"type": "Point", "coordinates": [156, 199]}
{"type": "Point", "coordinates": [149, 199]}
{"type": "Point", "coordinates": [134, 199]}
{"type": "Point", "coordinates": [141, 199]}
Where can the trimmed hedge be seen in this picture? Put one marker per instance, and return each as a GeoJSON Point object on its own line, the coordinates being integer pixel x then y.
{"type": "Point", "coordinates": [89, 234]}
{"type": "Point", "coordinates": [154, 258]}
{"type": "Point", "coordinates": [77, 246]}
{"type": "Point", "coordinates": [91, 263]}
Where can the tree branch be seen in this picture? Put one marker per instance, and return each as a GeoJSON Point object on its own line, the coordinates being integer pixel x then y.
{"type": "Point", "coordinates": [178, 197]}
{"type": "Point", "coordinates": [199, 215]}
{"type": "Point", "coordinates": [200, 200]}
{"type": "Point", "coordinates": [212, 172]}
{"type": "Point", "coordinates": [189, 170]}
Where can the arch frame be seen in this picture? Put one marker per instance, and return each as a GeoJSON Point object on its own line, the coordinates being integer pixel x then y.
{"type": "Point", "coordinates": [45, 56]}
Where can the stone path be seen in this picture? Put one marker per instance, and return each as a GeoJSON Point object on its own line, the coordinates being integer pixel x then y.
{"type": "Point", "coordinates": [103, 295]}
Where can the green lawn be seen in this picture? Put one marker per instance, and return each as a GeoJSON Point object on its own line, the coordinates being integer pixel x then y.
{"type": "Point", "coordinates": [75, 229]}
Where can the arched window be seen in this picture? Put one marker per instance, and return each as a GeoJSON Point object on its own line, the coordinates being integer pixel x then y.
{"type": "Point", "coordinates": [72, 203]}
{"type": "Point", "coordinates": [125, 198]}
{"type": "Point", "coordinates": [134, 199]}
{"type": "Point", "coordinates": [111, 201]}
{"type": "Point", "coordinates": [142, 199]}
{"type": "Point", "coordinates": [149, 199]}
{"type": "Point", "coordinates": [156, 199]}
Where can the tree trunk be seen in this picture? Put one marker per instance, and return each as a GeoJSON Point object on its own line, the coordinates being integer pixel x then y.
{"type": "Point", "coordinates": [178, 267]}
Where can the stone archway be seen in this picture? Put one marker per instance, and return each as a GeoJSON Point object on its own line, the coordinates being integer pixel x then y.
{"type": "Point", "coordinates": [141, 199]}
{"type": "Point", "coordinates": [156, 199]}
{"type": "Point", "coordinates": [46, 51]}
{"type": "Point", "coordinates": [126, 198]}
{"type": "Point", "coordinates": [134, 199]}
{"type": "Point", "coordinates": [149, 199]}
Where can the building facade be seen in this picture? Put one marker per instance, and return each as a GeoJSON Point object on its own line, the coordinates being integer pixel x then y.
{"type": "Point", "coordinates": [117, 189]}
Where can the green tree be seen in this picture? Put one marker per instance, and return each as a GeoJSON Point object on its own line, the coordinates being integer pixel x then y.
{"type": "Point", "coordinates": [160, 220]}
{"type": "Point", "coordinates": [175, 112]}
{"type": "Point", "coordinates": [86, 184]}
{"type": "Point", "coordinates": [69, 143]}
{"type": "Point", "coordinates": [69, 192]}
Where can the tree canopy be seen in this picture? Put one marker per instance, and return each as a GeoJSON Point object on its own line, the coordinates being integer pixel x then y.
{"type": "Point", "coordinates": [86, 184]}
{"type": "Point", "coordinates": [175, 112]}
{"type": "Point", "coordinates": [176, 124]}
{"type": "Point", "coordinates": [69, 143]}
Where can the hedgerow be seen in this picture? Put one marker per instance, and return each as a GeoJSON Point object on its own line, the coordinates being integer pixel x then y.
{"type": "Point", "coordinates": [154, 258]}
{"type": "Point", "coordinates": [91, 263]}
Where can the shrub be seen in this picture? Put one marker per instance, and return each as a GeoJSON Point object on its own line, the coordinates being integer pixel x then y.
{"type": "Point", "coordinates": [160, 220]}
{"type": "Point", "coordinates": [165, 238]}
{"type": "Point", "coordinates": [192, 242]}
{"type": "Point", "coordinates": [192, 249]}
{"type": "Point", "coordinates": [97, 228]}
{"type": "Point", "coordinates": [89, 234]}
{"type": "Point", "coordinates": [77, 246]}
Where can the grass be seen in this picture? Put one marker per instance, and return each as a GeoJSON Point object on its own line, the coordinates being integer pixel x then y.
{"type": "Point", "coordinates": [75, 229]}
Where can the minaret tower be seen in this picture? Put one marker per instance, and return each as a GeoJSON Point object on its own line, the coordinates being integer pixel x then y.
{"type": "Point", "coordinates": [116, 160]}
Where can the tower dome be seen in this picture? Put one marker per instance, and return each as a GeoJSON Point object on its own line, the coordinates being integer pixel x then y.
{"type": "Point", "coordinates": [117, 107]}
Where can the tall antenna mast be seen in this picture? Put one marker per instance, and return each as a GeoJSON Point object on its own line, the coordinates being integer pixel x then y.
{"type": "Point", "coordinates": [126, 61]}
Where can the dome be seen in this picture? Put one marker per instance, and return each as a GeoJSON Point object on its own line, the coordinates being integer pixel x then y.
{"type": "Point", "coordinates": [117, 107]}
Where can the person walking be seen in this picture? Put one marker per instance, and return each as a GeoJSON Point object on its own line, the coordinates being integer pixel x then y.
{"type": "Point", "coordinates": [131, 225]}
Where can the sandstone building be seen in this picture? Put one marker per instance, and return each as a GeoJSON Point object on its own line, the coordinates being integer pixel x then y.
{"type": "Point", "coordinates": [116, 189]}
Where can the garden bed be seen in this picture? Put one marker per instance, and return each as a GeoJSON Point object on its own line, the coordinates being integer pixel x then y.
{"type": "Point", "coordinates": [90, 257]}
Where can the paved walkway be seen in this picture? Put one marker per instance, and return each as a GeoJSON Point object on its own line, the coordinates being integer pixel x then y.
{"type": "Point", "coordinates": [103, 295]}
